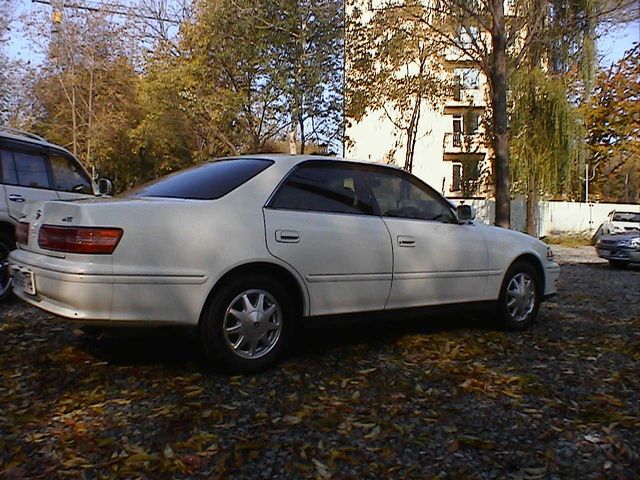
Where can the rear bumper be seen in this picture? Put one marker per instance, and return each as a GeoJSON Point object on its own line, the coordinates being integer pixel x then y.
{"type": "Point", "coordinates": [76, 296]}
{"type": "Point", "coordinates": [88, 297]}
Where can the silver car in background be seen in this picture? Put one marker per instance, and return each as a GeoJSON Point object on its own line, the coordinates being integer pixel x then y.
{"type": "Point", "coordinates": [620, 249]}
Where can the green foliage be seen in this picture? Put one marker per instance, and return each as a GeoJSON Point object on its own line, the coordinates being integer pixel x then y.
{"type": "Point", "coordinates": [546, 135]}
{"type": "Point", "coordinates": [240, 76]}
{"type": "Point", "coordinates": [262, 68]}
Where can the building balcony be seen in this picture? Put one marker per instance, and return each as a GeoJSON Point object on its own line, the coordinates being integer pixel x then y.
{"type": "Point", "coordinates": [457, 143]}
{"type": "Point", "coordinates": [466, 98]}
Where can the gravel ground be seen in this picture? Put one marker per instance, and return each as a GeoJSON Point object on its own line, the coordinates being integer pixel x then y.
{"type": "Point", "coordinates": [444, 397]}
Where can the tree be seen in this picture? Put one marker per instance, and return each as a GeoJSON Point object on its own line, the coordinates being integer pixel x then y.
{"type": "Point", "coordinates": [86, 92]}
{"type": "Point", "coordinates": [477, 32]}
{"type": "Point", "coordinates": [308, 41]}
{"type": "Point", "coordinates": [546, 129]}
{"type": "Point", "coordinates": [613, 124]}
{"type": "Point", "coordinates": [547, 146]}
{"type": "Point", "coordinates": [481, 32]}
{"type": "Point", "coordinates": [393, 68]}
{"type": "Point", "coordinates": [265, 68]}
{"type": "Point", "coordinates": [6, 16]}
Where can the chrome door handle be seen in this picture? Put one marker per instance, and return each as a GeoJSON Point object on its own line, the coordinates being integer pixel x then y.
{"type": "Point", "coordinates": [406, 241]}
{"type": "Point", "coordinates": [287, 236]}
{"type": "Point", "coordinates": [16, 198]}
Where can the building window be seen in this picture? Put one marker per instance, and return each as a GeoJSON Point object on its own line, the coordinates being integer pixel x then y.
{"type": "Point", "coordinates": [456, 180]}
{"type": "Point", "coordinates": [467, 78]}
{"type": "Point", "coordinates": [457, 130]}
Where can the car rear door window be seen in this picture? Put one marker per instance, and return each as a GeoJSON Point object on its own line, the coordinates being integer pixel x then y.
{"type": "Point", "coordinates": [8, 168]}
{"type": "Point", "coordinates": [400, 195]}
{"type": "Point", "coordinates": [324, 188]}
{"type": "Point", "coordinates": [31, 169]}
{"type": "Point", "coordinates": [209, 181]}
{"type": "Point", "coordinates": [68, 176]}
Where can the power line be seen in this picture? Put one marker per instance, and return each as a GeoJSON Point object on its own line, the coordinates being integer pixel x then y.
{"type": "Point", "coordinates": [121, 10]}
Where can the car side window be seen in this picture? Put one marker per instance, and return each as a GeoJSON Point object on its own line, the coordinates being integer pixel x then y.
{"type": "Point", "coordinates": [401, 196]}
{"type": "Point", "coordinates": [324, 188]}
{"type": "Point", "coordinates": [31, 169]}
{"type": "Point", "coordinates": [7, 168]}
{"type": "Point", "coordinates": [68, 176]}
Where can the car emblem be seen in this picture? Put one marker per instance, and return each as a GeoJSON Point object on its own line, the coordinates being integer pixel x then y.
{"type": "Point", "coordinates": [67, 219]}
{"type": "Point", "coordinates": [38, 214]}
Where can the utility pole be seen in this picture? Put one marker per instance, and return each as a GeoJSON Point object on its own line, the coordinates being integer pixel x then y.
{"type": "Point", "coordinates": [587, 179]}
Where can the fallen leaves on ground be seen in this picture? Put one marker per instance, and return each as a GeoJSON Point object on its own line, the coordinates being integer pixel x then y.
{"type": "Point", "coordinates": [443, 397]}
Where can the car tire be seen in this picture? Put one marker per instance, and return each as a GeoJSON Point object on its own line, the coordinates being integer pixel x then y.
{"type": "Point", "coordinates": [520, 297]}
{"type": "Point", "coordinates": [620, 264]}
{"type": "Point", "coordinates": [6, 245]}
{"type": "Point", "coordinates": [246, 326]}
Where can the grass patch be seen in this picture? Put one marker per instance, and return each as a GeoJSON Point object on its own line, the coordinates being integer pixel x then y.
{"type": "Point", "coordinates": [569, 240]}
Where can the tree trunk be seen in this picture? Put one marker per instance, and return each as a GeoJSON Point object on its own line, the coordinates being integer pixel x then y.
{"type": "Point", "coordinates": [498, 79]}
{"type": "Point", "coordinates": [293, 147]}
{"type": "Point", "coordinates": [88, 158]}
{"type": "Point", "coordinates": [303, 140]}
{"type": "Point", "coordinates": [412, 135]}
{"type": "Point", "coordinates": [532, 212]}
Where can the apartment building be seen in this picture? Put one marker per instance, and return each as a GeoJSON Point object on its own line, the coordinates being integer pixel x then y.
{"type": "Point", "coordinates": [450, 153]}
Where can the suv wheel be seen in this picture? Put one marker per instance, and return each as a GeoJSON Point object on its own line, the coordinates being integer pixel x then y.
{"type": "Point", "coordinates": [618, 263]}
{"type": "Point", "coordinates": [247, 324]}
{"type": "Point", "coordinates": [6, 245]}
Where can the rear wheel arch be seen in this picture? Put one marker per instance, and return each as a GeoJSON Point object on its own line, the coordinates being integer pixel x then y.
{"type": "Point", "coordinates": [277, 272]}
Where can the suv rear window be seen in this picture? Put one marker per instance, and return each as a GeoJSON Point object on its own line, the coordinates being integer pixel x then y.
{"type": "Point", "coordinates": [205, 182]}
{"type": "Point", "coordinates": [626, 217]}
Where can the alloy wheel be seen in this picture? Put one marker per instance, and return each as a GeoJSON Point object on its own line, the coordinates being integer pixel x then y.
{"type": "Point", "coordinates": [252, 324]}
{"type": "Point", "coordinates": [520, 296]}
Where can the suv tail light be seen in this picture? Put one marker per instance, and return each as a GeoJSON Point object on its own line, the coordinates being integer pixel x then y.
{"type": "Point", "coordinates": [22, 233]}
{"type": "Point", "coordinates": [79, 239]}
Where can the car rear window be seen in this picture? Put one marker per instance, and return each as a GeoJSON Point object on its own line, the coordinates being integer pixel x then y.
{"type": "Point", "coordinates": [205, 182]}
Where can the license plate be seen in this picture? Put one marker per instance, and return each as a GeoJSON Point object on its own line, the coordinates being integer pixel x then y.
{"type": "Point", "coordinates": [605, 253]}
{"type": "Point", "coordinates": [23, 279]}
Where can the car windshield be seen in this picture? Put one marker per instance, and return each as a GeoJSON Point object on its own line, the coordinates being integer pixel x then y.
{"type": "Point", "coordinates": [626, 217]}
{"type": "Point", "coordinates": [208, 181]}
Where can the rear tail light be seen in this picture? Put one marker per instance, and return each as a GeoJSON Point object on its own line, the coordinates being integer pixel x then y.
{"type": "Point", "coordinates": [79, 239]}
{"type": "Point", "coordinates": [22, 233]}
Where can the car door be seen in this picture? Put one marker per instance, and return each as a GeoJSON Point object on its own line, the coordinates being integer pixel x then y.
{"type": "Point", "coordinates": [26, 177]}
{"type": "Point", "coordinates": [70, 180]}
{"type": "Point", "coordinates": [437, 260]}
{"type": "Point", "coordinates": [322, 222]}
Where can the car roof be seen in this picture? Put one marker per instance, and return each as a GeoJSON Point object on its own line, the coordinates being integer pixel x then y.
{"type": "Point", "coordinates": [289, 160]}
{"type": "Point", "coordinates": [30, 138]}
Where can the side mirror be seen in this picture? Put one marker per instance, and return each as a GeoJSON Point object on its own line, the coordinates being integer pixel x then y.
{"type": "Point", "coordinates": [465, 213]}
{"type": "Point", "coordinates": [105, 186]}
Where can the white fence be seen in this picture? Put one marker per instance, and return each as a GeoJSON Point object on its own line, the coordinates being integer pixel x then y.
{"type": "Point", "coordinates": [554, 218]}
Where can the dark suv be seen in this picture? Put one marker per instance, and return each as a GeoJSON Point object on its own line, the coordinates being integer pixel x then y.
{"type": "Point", "coordinates": [32, 169]}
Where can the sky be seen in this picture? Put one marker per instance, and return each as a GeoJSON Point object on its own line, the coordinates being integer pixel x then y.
{"type": "Point", "coordinates": [611, 46]}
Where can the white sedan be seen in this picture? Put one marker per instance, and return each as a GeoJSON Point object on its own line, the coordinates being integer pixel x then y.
{"type": "Point", "coordinates": [244, 248]}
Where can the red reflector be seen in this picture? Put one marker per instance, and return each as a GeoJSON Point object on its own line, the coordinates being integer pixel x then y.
{"type": "Point", "coordinates": [79, 239]}
{"type": "Point", "coordinates": [22, 233]}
